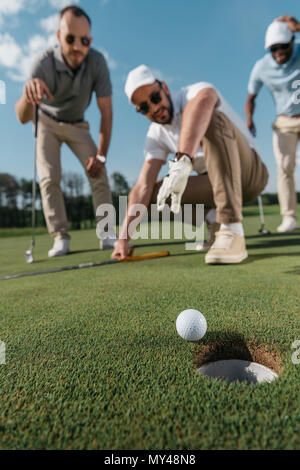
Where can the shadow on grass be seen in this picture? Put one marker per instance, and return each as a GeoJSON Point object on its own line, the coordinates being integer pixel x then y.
{"type": "Point", "coordinates": [295, 271]}
{"type": "Point", "coordinates": [275, 235]}
{"type": "Point", "coordinates": [226, 345]}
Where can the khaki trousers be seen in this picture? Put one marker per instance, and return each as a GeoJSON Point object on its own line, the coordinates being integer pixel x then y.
{"type": "Point", "coordinates": [51, 135]}
{"type": "Point", "coordinates": [235, 172]}
{"type": "Point", "coordinates": [285, 139]}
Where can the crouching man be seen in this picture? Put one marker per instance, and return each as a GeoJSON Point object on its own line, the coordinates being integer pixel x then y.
{"type": "Point", "coordinates": [200, 128]}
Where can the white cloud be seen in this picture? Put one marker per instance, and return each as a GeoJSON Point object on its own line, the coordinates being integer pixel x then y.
{"type": "Point", "coordinates": [59, 4]}
{"type": "Point", "coordinates": [11, 7]}
{"type": "Point", "coordinates": [17, 59]}
{"type": "Point", "coordinates": [112, 63]}
{"type": "Point", "coordinates": [10, 51]}
{"type": "Point", "coordinates": [50, 24]}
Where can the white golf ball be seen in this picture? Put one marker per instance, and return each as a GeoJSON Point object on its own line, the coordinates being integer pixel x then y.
{"type": "Point", "coordinates": [191, 325]}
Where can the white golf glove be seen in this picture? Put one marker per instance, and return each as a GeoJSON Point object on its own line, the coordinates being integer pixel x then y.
{"type": "Point", "coordinates": [175, 183]}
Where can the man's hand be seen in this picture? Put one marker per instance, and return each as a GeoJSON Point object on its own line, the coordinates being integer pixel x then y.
{"type": "Point", "coordinates": [174, 184]}
{"type": "Point", "coordinates": [94, 167]}
{"type": "Point", "coordinates": [251, 127]}
{"type": "Point", "coordinates": [34, 90]}
{"type": "Point", "coordinates": [293, 24]}
{"type": "Point", "coordinates": [121, 250]}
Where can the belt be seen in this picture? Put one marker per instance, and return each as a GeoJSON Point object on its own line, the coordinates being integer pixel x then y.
{"type": "Point", "coordinates": [61, 120]}
{"type": "Point", "coordinates": [292, 117]}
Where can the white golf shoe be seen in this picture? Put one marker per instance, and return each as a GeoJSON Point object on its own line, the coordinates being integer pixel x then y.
{"type": "Point", "coordinates": [107, 243]}
{"type": "Point", "coordinates": [288, 225]}
{"type": "Point", "coordinates": [212, 229]}
{"type": "Point", "coordinates": [60, 247]}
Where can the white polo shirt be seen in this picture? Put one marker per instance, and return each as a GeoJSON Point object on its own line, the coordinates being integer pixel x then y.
{"type": "Point", "coordinates": [162, 139]}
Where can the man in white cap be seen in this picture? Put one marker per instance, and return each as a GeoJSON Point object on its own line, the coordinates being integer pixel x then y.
{"type": "Point", "coordinates": [279, 70]}
{"type": "Point", "coordinates": [206, 135]}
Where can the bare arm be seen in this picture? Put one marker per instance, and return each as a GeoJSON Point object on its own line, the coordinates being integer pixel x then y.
{"type": "Point", "coordinates": [249, 111]}
{"type": "Point", "coordinates": [93, 165]}
{"type": "Point", "coordinates": [105, 107]}
{"type": "Point", "coordinates": [140, 194]}
{"type": "Point", "coordinates": [293, 24]}
{"type": "Point", "coordinates": [34, 90]}
{"type": "Point", "coordinates": [195, 120]}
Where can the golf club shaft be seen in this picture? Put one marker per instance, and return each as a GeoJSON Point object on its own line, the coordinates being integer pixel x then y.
{"type": "Point", "coordinates": [145, 256]}
{"type": "Point", "coordinates": [261, 211]}
{"type": "Point", "coordinates": [34, 179]}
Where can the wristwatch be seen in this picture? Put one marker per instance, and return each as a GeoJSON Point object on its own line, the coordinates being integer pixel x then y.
{"type": "Point", "coordinates": [101, 158]}
{"type": "Point", "coordinates": [178, 155]}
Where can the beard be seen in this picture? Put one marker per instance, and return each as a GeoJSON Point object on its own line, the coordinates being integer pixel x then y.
{"type": "Point", "coordinates": [168, 119]}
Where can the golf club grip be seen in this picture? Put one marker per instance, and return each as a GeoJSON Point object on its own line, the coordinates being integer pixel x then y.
{"type": "Point", "coordinates": [159, 254]}
{"type": "Point", "coordinates": [36, 120]}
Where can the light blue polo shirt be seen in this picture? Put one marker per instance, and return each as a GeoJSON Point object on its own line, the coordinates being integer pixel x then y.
{"type": "Point", "coordinates": [279, 79]}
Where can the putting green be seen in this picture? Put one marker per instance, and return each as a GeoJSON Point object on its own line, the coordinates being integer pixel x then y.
{"type": "Point", "coordinates": [93, 360]}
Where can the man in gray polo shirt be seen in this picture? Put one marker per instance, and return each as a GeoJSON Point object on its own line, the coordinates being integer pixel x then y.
{"type": "Point", "coordinates": [62, 81]}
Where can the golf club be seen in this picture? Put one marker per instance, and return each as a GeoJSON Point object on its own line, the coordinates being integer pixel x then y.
{"type": "Point", "coordinates": [29, 253]}
{"type": "Point", "coordinates": [262, 229]}
{"type": "Point", "coordinates": [145, 256]}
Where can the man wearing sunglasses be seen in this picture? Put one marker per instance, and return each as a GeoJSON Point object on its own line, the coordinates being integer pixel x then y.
{"type": "Point", "coordinates": [207, 136]}
{"type": "Point", "coordinates": [279, 70]}
{"type": "Point", "coordinates": [62, 82]}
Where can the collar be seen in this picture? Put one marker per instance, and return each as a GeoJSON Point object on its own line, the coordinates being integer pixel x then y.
{"type": "Point", "coordinates": [61, 65]}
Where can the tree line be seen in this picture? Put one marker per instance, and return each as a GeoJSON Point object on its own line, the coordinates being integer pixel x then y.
{"type": "Point", "coordinates": [16, 200]}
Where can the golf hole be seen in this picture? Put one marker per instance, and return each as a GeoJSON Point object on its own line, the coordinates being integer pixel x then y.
{"type": "Point", "coordinates": [235, 370]}
{"type": "Point", "coordinates": [238, 361]}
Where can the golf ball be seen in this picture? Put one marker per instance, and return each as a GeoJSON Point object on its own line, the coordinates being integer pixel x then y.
{"type": "Point", "coordinates": [191, 325]}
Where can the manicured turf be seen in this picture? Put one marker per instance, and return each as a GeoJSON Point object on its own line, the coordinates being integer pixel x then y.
{"type": "Point", "coordinates": [93, 360]}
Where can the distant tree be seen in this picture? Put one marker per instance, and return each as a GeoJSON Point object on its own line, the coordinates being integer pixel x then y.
{"type": "Point", "coordinates": [120, 185]}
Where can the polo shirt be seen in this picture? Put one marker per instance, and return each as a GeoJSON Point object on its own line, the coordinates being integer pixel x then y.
{"type": "Point", "coordinates": [162, 139]}
{"type": "Point", "coordinates": [279, 79]}
{"type": "Point", "coordinates": [72, 90]}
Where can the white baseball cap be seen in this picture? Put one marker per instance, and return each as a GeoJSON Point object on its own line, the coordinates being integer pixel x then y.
{"type": "Point", "coordinates": [138, 77]}
{"type": "Point", "coordinates": [278, 33]}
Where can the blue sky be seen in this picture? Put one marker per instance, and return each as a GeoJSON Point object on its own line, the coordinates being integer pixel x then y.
{"type": "Point", "coordinates": [185, 41]}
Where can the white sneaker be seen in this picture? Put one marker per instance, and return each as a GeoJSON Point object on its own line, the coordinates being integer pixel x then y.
{"type": "Point", "coordinates": [60, 247]}
{"type": "Point", "coordinates": [228, 248]}
{"type": "Point", "coordinates": [107, 243]}
{"type": "Point", "coordinates": [288, 225]}
{"type": "Point", "coordinates": [212, 229]}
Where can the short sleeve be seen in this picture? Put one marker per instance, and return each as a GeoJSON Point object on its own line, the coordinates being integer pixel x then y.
{"type": "Point", "coordinates": [154, 148]}
{"type": "Point", "coordinates": [102, 84]}
{"type": "Point", "coordinates": [37, 69]}
{"type": "Point", "coordinates": [255, 81]}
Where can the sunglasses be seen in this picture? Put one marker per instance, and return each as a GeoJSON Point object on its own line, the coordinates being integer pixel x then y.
{"type": "Point", "coordinates": [279, 47]}
{"type": "Point", "coordinates": [155, 98]}
{"type": "Point", "coordinates": [85, 41]}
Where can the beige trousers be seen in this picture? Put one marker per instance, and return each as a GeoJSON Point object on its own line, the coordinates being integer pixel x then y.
{"type": "Point", "coordinates": [235, 172]}
{"type": "Point", "coordinates": [51, 135]}
{"type": "Point", "coordinates": [285, 139]}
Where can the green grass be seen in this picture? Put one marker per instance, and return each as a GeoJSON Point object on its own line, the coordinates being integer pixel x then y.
{"type": "Point", "coordinates": [93, 359]}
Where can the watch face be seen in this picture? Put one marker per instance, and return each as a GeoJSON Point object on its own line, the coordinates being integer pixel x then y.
{"type": "Point", "coordinates": [101, 158]}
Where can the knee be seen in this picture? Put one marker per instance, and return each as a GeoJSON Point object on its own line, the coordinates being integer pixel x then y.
{"type": "Point", "coordinates": [48, 182]}
{"type": "Point", "coordinates": [286, 166]}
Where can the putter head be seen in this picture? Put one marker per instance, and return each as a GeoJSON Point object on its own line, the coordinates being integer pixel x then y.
{"type": "Point", "coordinates": [29, 257]}
{"type": "Point", "coordinates": [264, 231]}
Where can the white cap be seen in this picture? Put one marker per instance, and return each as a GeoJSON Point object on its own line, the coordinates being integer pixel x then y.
{"type": "Point", "coordinates": [278, 33]}
{"type": "Point", "coordinates": [138, 77]}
